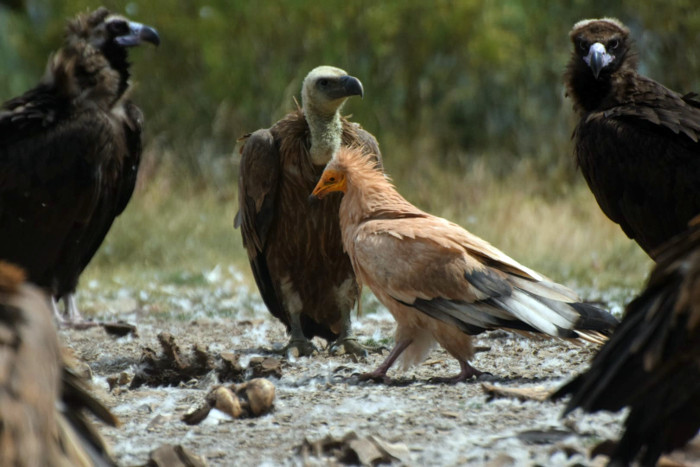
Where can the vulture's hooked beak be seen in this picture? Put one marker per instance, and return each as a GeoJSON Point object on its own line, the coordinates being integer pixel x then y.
{"type": "Point", "coordinates": [329, 183]}
{"type": "Point", "coordinates": [597, 58]}
{"type": "Point", "coordinates": [352, 86]}
{"type": "Point", "coordinates": [137, 34]}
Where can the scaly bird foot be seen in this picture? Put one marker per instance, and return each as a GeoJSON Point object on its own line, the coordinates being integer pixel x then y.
{"type": "Point", "coordinates": [378, 376]}
{"type": "Point", "coordinates": [467, 372]}
{"type": "Point", "coordinates": [348, 346]}
{"type": "Point", "coordinates": [300, 348]}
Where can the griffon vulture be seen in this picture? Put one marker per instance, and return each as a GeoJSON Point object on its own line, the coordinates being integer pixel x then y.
{"type": "Point", "coordinates": [440, 282]}
{"type": "Point", "coordinates": [636, 141]}
{"type": "Point", "coordinates": [42, 402]}
{"type": "Point", "coordinates": [69, 154]}
{"type": "Point", "coordinates": [295, 248]}
{"type": "Point", "coordinates": [652, 361]}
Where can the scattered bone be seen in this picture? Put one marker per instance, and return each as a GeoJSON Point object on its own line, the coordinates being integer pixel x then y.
{"type": "Point", "coordinates": [120, 329]}
{"type": "Point", "coordinates": [352, 449]}
{"type": "Point", "coordinates": [174, 456]}
{"type": "Point", "coordinates": [536, 393]}
{"type": "Point", "coordinates": [173, 367]}
{"type": "Point", "coordinates": [251, 399]}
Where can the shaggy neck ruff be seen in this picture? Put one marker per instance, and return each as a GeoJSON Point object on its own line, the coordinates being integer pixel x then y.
{"type": "Point", "coordinates": [326, 134]}
{"type": "Point", "coordinates": [369, 193]}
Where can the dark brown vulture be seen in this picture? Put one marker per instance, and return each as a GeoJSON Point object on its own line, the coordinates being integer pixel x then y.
{"type": "Point", "coordinates": [295, 248]}
{"type": "Point", "coordinates": [42, 402]}
{"type": "Point", "coordinates": [637, 141]}
{"type": "Point", "coordinates": [69, 154]}
{"type": "Point", "coordinates": [652, 361]}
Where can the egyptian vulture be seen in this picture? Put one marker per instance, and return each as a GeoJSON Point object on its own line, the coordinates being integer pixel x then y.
{"type": "Point", "coordinates": [295, 248]}
{"type": "Point", "coordinates": [43, 404]}
{"type": "Point", "coordinates": [440, 282]}
{"type": "Point", "coordinates": [651, 364]}
{"type": "Point", "coordinates": [69, 154]}
{"type": "Point", "coordinates": [636, 141]}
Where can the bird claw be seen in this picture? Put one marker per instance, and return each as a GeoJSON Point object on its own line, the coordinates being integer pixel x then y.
{"type": "Point", "coordinates": [348, 346]}
{"type": "Point", "coordinates": [300, 348]}
{"type": "Point", "coordinates": [374, 376]}
{"type": "Point", "coordinates": [468, 372]}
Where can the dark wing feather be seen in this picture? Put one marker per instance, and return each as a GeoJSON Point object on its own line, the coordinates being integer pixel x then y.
{"type": "Point", "coordinates": [642, 163]}
{"type": "Point", "coordinates": [49, 187]}
{"type": "Point", "coordinates": [652, 361]}
{"type": "Point", "coordinates": [258, 182]}
{"type": "Point", "coordinates": [31, 113]}
{"type": "Point", "coordinates": [116, 183]}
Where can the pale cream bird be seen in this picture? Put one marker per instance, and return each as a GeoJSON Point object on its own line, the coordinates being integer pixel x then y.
{"type": "Point", "coordinates": [441, 283]}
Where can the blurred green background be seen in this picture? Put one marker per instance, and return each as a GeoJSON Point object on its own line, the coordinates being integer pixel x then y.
{"type": "Point", "coordinates": [465, 97]}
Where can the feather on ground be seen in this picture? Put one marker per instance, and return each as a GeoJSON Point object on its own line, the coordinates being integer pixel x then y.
{"type": "Point", "coordinates": [441, 283]}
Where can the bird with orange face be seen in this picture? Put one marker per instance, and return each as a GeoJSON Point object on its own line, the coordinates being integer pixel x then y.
{"type": "Point", "coordinates": [441, 283]}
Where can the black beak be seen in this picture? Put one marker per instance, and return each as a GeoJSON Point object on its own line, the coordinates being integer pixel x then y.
{"type": "Point", "coordinates": [352, 86]}
{"type": "Point", "coordinates": [313, 199]}
{"type": "Point", "coordinates": [139, 33]}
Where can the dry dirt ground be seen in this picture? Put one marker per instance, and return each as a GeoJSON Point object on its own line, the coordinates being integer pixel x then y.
{"type": "Point", "coordinates": [424, 423]}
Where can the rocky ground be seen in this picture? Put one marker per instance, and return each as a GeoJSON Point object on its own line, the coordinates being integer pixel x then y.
{"type": "Point", "coordinates": [323, 415]}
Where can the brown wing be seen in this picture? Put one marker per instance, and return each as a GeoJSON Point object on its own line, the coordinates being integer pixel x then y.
{"type": "Point", "coordinates": [258, 181]}
{"type": "Point", "coordinates": [434, 266]}
{"type": "Point", "coordinates": [33, 430]}
{"type": "Point", "coordinates": [642, 163]}
{"type": "Point", "coordinates": [652, 361]}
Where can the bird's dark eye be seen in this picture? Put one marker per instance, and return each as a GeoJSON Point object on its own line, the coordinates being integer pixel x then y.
{"type": "Point", "coordinates": [613, 44]}
{"type": "Point", "coordinates": [323, 82]}
{"type": "Point", "coordinates": [331, 179]}
{"type": "Point", "coordinates": [118, 27]}
{"type": "Point", "coordinates": [583, 45]}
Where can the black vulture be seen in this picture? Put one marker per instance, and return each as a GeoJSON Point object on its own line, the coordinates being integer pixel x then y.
{"type": "Point", "coordinates": [651, 364]}
{"type": "Point", "coordinates": [636, 141]}
{"type": "Point", "coordinates": [294, 247]}
{"type": "Point", "coordinates": [69, 153]}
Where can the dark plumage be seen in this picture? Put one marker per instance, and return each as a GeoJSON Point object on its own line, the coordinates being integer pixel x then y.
{"type": "Point", "coordinates": [652, 362]}
{"type": "Point", "coordinates": [637, 141]}
{"type": "Point", "coordinates": [295, 248]}
{"type": "Point", "coordinates": [69, 153]}
{"type": "Point", "coordinates": [42, 402]}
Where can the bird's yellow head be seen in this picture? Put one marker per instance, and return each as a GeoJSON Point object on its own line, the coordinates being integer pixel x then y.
{"type": "Point", "coordinates": [331, 180]}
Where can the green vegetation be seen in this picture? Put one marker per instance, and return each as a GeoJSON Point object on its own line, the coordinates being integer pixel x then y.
{"type": "Point", "coordinates": [464, 96]}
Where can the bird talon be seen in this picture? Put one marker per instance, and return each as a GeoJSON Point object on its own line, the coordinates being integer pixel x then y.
{"type": "Point", "coordinates": [374, 377]}
{"type": "Point", "coordinates": [300, 348]}
{"type": "Point", "coordinates": [348, 346]}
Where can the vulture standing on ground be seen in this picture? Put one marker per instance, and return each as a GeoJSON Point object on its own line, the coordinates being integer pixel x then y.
{"type": "Point", "coordinates": [652, 361]}
{"type": "Point", "coordinates": [637, 141]}
{"type": "Point", "coordinates": [42, 402]}
{"type": "Point", "coordinates": [69, 154]}
{"type": "Point", "coordinates": [295, 248]}
{"type": "Point", "coordinates": [440, 282]}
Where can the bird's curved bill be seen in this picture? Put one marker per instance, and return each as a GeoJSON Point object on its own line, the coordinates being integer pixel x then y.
{"type": "Point", "coordinates": [326, 186]}
{"type": "Point", "coordinates": [597, 58]}
{"type": "Point", "coordinates": [138, 33]}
